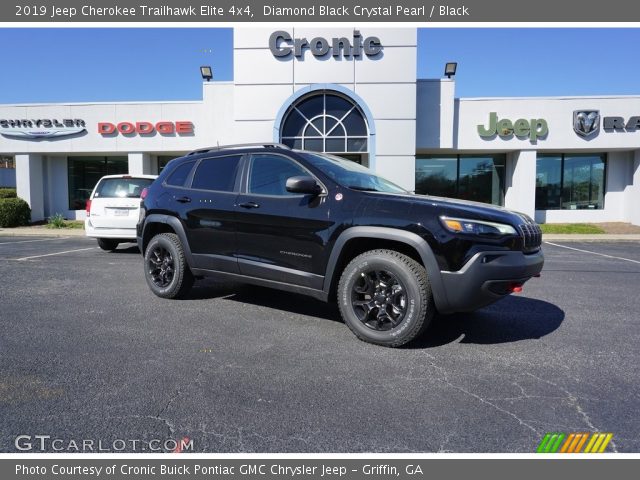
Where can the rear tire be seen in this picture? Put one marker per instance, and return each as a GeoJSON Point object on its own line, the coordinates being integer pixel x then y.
{"type": "Point", "coordinates": [385, 298]}
{"type": "Point", "coordinates": [108, 244]}
{"type": "Point", "coordinates": [165, 267]}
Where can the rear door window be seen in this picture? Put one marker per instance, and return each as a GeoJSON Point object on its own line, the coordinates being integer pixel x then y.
{"type": "Point", "coordinates": [217, 174]}
{"type": "Point", "coordinates": [121, 187]}
{"type": "Point", "coordinates": [179, 176]}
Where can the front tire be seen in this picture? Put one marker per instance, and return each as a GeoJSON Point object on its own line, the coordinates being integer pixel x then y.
{"type": "Point", "coordinates": [385, 298]}
{"type": "Point", "coordinates": [165, 267]}
{"type": "Point", "coordinates": [107, 244]}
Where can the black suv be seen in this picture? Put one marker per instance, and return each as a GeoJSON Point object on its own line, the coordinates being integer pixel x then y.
{"type": "Point", "coordinates": [330, 228]}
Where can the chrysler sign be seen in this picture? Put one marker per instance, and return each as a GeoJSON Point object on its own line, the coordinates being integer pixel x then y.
{"type": "Point", "coordinates": [41, 128]}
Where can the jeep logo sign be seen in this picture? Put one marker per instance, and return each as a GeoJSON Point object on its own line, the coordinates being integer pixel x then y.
{"type": "Point", "coordinates": [522, 128]}
{"type": "Point", "coordinates": [282, 46]}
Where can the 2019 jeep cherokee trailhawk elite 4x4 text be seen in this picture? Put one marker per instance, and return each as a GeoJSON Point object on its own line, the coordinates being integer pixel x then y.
{"type": "Point", "coordinates": [327, 227]}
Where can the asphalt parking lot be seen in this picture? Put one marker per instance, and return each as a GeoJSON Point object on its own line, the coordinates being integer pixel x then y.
{"type": "Point", "coordinates": [87, 352]}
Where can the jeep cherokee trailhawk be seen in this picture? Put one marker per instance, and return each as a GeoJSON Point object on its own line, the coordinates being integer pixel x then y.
{"type": "Point", "coordinates": [330, 228]}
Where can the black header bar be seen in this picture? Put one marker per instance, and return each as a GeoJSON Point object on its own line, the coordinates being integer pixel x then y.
{"type": "Point", "coordinates": [351, 11]}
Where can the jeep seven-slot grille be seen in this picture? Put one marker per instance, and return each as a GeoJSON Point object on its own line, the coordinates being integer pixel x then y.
{"type": "Point", "coordinates": [531, 236]}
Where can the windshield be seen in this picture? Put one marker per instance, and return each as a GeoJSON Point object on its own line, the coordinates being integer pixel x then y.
{"type": "Point", "coordinates": [351, 174]}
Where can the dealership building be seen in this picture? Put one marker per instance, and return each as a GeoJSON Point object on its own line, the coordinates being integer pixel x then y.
{"type": "Point", "coordinates": [353, 92]}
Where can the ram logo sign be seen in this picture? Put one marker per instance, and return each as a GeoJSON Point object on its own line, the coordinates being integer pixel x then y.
{"type": "Point", "coordinates": [586, 123]}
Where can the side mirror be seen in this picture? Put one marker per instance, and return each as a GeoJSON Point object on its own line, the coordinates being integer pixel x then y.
{"type": "Point", "coordinates": [303, 184]}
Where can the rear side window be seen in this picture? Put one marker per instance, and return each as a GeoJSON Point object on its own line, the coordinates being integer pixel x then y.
{"type": "Point", "coordinates": [180, 174]}
{"type": "Point", "coordinates": [121, 187]}
{"type": "Point", "coordinates": [218, 174]}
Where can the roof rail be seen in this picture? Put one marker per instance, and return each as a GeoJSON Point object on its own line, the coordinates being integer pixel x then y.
{"type": "Point", "coordinates": [239, 145]}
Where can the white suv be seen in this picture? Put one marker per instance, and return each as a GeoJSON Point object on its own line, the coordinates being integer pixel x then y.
{"type": "Point", "coordinates": [113, 209]}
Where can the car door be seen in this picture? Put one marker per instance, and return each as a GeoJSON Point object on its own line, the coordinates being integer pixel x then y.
{"type": "Point", "coordinates": [281, 235]}
{"type": "Point", "coordinates": [207, 208]}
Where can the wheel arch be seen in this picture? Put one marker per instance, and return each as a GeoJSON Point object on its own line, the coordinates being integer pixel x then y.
{"type": "Point", "coordinates": [156, 223]}
{"type": "Point", "coordinates": [356, 240]}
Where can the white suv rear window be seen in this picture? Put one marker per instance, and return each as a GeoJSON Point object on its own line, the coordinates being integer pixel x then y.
{"type": "Point", "coordinates": [121, 187]}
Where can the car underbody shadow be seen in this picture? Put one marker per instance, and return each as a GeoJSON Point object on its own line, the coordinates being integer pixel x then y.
{"type": "Point", "coordinates": [509, 320]}
{"type": "Point", "coordinates": [265, 297]}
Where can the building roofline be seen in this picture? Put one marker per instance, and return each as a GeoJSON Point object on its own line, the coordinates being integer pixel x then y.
{"type": "Point", "coordinates": [75, 104]}
{"type": "Point", "coordinates": [562, 97]}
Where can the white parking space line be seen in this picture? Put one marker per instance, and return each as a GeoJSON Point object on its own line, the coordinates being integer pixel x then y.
{"type": "Point", "coordinates": [56, 253]}
{"type": "Point", "coordinates": [593, 253]}
{"type": "Point", "coordinates": [39, 240]}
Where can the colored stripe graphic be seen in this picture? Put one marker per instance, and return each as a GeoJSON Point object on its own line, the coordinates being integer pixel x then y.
{"type": "Point", "coordinates": [567, 444]}
{"type": "Point", "coordinates": [550, 443]}
{"type": "Point", "coordinates": [555, 442]}
{"type": "Point", "coordinates": [581, 442]}
{"type": "Point", "coordinates": [598, 443]}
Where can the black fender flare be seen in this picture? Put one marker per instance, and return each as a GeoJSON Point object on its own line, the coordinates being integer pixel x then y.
{"type": "Point", "coordinates": [176, 226]}
{"type": "Point", "coordinates": [409, 238]}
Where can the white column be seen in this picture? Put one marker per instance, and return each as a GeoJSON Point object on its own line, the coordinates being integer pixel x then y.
{"type": "Point", "coordinates": [634, 198]}
{"type": "Point", "coordinates": [520, 193]}
{"type": "Point", "coordinates": [29, 185]}
{"type": "Point", "coordinates": [139, 164]}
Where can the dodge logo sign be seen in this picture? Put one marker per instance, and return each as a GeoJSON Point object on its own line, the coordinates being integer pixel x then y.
{"type": "Point", "coordinates": [586, 123]}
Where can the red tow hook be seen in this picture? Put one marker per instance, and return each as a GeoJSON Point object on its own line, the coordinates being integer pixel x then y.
{"type": "Point", "coordinates": [515, 288]}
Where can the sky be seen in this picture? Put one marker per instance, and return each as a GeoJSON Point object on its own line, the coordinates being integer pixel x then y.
{"type": "Point", "coordinates": [83, 65]}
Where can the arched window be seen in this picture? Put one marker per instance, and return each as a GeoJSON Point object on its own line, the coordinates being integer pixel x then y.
{"type": "Point", "coordinates": [325, 122]}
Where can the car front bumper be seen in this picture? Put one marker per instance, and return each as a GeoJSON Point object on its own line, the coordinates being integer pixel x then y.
{"type": "Point", "coordinates": [488, 277]}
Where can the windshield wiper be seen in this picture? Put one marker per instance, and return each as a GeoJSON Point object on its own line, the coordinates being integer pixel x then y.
{"type": "Point", "coordinates": [363, 189]}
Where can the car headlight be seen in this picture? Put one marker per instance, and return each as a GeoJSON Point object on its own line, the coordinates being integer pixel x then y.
{"type": "Point", "coordinates": [476, 227]}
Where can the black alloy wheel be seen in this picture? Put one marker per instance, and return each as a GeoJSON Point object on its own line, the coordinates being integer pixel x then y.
{"type": "Point", "coordinates": [385, 297]}
{"type": "Point", "coordinates": [160, 266]}
{"type": "Point", "coordinates": [379, 299]}
{"type": "Point", "coordinates": [165, 267]}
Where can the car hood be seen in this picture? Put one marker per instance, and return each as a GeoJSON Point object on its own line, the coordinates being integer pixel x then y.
{"type": "Point", "coordinates": [456, 207]}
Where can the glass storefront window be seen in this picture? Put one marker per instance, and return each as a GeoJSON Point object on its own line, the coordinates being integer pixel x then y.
{"type": "Point", "coordinates": [7, 162]}
{"type": "Point", "coordinates": [163, 160]}
{"type": "Point", "coordinates": [481, 178]}
{"type": "Point", "coordinates": [570, 182]}
{"type": "Point", "coordinates": [548, 182]}
{"type": "Point", "coordinates": [84, 173]}
{"type": "Point", "coordinates": [471, 177]}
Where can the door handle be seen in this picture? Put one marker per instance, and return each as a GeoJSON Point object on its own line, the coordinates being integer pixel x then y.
{"type": "Point", "coordinates": [250, 205]}
{"type": "Point", "coordinates": [183, 199]}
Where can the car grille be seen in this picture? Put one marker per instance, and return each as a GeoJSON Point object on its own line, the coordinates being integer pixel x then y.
{"type": "Point", "coordinates": [532, 236]}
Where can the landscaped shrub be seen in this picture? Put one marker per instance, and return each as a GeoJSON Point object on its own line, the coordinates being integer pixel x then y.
{"type": "Point", "coordinates": [56, 221]}
{"type": "Point", "coordinates": [14, 212]}
{"type": "Point", "coordinates": [8, 193]}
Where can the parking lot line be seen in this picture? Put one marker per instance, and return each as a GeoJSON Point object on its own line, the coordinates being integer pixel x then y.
{"type": "Point", "coordinates": [593, 253]}
{"type": "Point", "coordinates": [39, 240]}
{"type": "Point", "coordinates": [56, 253]}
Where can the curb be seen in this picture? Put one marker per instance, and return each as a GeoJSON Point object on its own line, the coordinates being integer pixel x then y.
{"type": "Point", "coordinates": [41, 232]}
{"type": "Point", "coordinates": [602, 237]}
